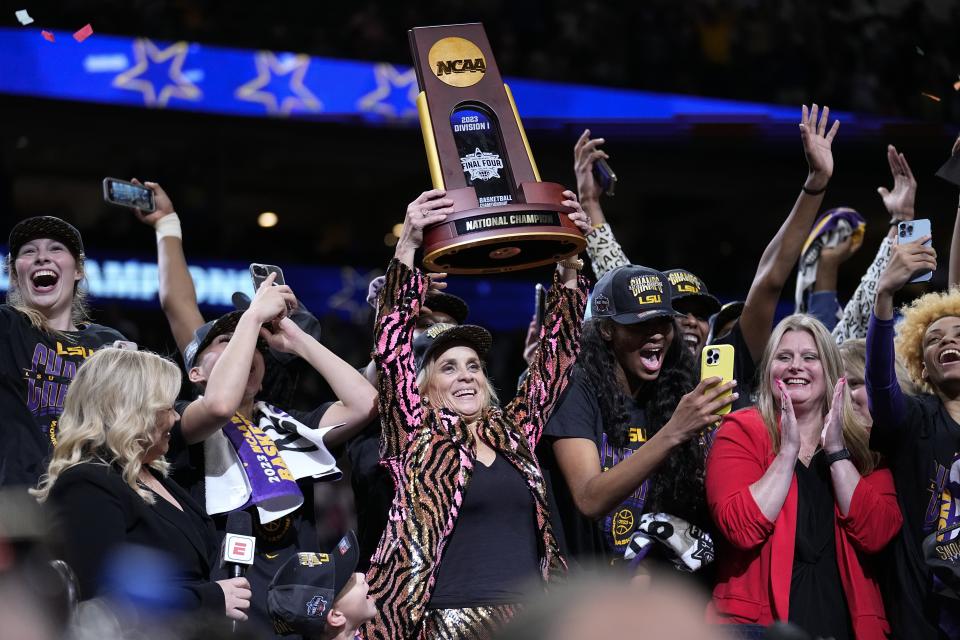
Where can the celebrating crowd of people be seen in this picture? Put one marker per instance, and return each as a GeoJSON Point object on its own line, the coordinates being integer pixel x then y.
{"type": "Point", "coordinates": [812, 485]}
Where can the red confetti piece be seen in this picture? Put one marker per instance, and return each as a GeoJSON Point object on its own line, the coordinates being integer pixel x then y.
{"type": "Point", "coordinates": [931, 96]}
{"type": "Point", "coordinates": [956, 85]}
{"type": "Point", "coordinates": [83, 33]}
{"type": "Point", "coordinates": [47, 35]}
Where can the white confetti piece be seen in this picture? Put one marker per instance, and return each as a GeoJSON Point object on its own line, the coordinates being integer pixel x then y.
{"type": "Point", "coordinates": [24, 17]}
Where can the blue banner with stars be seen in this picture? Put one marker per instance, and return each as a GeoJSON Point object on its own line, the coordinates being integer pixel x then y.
{"type": "Point", "coordinates": [140, 72]}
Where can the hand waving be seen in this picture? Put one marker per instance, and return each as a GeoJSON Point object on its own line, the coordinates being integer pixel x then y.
{"type": "Point", "coordinates": [899, 202]}
{"type": "Point", "coordinates": [817, 142]}
{"type": "Point", "coordinates": [585, 153]}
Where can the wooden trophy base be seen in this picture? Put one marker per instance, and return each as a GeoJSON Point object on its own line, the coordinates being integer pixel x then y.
{"type": "Point", "coordinates": [510, 237]}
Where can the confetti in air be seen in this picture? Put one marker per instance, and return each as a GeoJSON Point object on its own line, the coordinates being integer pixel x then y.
{"type": "Point", "coordinates": [919, 50]}
{"type": "Point", "coordinates": [83, 33]}
{"type": "Point", "coordinates": [24, 17]}
{"type": "Point", "coordinates": [48, 36]}
{"type": "Point", "coordinates": [931, 96]}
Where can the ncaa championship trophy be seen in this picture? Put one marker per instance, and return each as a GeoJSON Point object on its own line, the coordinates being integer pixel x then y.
{"type": "Point", "coordinates": [505, 218]}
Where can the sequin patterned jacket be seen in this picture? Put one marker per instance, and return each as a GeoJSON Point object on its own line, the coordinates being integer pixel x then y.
{"type": "Point", "coordinates": [430, 453]}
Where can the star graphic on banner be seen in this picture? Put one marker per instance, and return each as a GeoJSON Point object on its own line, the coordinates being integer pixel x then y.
{"type": "Point", "coordinates": [352, 297]}
{"type": "Point", "coordinates": [174, 83]}
{"type": "Point", "coordinates": [269, 66]}
{"type": "Point", "coordinates": [389, 99]}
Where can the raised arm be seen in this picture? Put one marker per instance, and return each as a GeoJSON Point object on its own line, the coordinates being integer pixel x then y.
{"type": "Point", "coordinates": [559, 341]}
{"type": "Point", "coordinates": [604, 251]}
{"type": "Point", "coordinates": [227, 379]}
{"type": "Point", "coordinates": [178, 296]}
{"type": "Point", "coordinates": [356, 398]}
{"type": "Point", "coordinates": [899, 204]}
{"type": "Point", "coordinates": [888, 406]}
{"type": "Point", "coordinates": [780, 256]}
{"type": "Point", "coordinates": [401, 299]}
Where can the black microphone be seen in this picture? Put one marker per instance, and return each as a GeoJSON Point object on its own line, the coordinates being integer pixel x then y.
{"type": "Point", "coordinates": [238, 546]}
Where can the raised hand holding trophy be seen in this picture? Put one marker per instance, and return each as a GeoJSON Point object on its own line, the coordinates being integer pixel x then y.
{"type": "Point", "coordinates": [505, 218]}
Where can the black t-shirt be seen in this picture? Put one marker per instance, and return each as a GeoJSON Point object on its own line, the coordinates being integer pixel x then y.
{"type": "Point", "coordinates": [744, 369]}
{"type": "Point", "coordinates": [923, 452]}
{"type": "Point", "coordinates": [492, 554]}
{"type": "Point", "coordinates": [817, 601]}
{"type": "Point", "coordinates": [578, 416]}
{"type": "Point", "coordinates": [35, 371]}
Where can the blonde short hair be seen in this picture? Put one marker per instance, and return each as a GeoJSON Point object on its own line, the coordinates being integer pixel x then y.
{"type": "Point", "coordinates": [855, 434]}
{"type": "Point", "coordinates": [917, 317]}
{"type": "Point", "coordinates": [854, 354]}
{"type": "Point", "coordinates": [110, 415]}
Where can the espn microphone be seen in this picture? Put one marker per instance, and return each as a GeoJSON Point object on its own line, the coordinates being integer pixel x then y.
{"type": "Point", "coordinates": [238, 545]}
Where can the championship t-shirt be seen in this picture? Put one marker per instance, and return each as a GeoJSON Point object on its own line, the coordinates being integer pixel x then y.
{"type": "Point", "coordinates": [36, 369]}
{"type": "Point", "coordinates": [923, 561]}
{"type": "Point", "coordinates": [578, 416]}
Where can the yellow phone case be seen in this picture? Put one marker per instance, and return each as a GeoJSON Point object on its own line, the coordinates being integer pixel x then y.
{"type": "Point", "coordinates": [716, 360]}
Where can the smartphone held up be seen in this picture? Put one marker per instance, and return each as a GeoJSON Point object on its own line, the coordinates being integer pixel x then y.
{"type": "Point", "coordinates": [911, 231]}
{"type": "Point", "coordinates": [127, 194]}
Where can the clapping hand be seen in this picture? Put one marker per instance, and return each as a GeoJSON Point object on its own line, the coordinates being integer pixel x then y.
{"type": "Point", "coordinates": [831, 438]}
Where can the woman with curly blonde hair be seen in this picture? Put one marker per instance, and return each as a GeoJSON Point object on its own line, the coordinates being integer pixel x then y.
{"type": "Point", "coordinates": [108, 486]}
{"type": "Point", "coordinates": [920, 437]}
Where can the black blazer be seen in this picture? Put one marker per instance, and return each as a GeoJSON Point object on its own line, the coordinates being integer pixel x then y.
{"type": "Point", "coordinates": [98, 512]}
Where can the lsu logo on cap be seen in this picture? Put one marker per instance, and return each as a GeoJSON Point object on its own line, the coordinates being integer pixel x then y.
{"type": "Point", "coordinates": [647, 289]}
{"type": "Point", "coordinates": [685, 282]}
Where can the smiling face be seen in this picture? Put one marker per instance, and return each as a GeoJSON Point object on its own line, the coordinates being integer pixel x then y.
{"type": "Point", "coordinates": [941, 353]}
{"type": "Point", "coordinates": [206, 360]}
{"type": "Point", "coordinates": [354, 601]}
{"type": "Point", "coordinates": [796, 361]}
{"type": "Point", "coordinates": [640, 348]}
{"type": "Point", "coordinates": [166, 418]}
{"type": "Point", "coordinates": [694, 329]}
{"type": "Point", "coordinates": [456, 381]}
{"type": "Point", "coordinates": [46, 275]}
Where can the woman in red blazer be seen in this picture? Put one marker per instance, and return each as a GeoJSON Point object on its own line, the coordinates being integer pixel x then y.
{"type": "Point", "coordinates": [798, 499]}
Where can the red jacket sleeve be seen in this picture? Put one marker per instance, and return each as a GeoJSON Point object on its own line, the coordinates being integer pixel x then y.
{"type": "Point", "coordinates": [874, 517]}
{"type": "Point", "coordinates": [736, 461]}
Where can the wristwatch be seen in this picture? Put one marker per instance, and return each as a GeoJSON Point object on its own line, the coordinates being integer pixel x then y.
{"type": "Point", "coordinates": [836, 456]}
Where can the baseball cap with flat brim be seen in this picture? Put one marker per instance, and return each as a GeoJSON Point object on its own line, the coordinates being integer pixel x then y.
{"type": "Point", "coordinates": [440, 336]}
{"type": "Point", "coordinates": [632, 294]}
{"type": "Point", "coordinates": [45, 227]}
{"type": "Point", "coordinates": [204, 336]}
{"type": "Point", "coordinates": [690, 295]}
